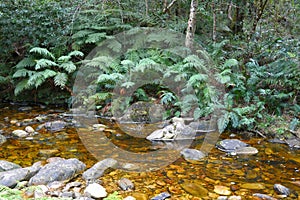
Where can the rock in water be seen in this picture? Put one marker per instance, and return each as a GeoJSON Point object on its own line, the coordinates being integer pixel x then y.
{"type": "Point", "coordinates": [12, 177]}
{"type": "Point", "coordinates": [192, 154]}
{"type": "Point", "coordinates": [98, 169]}
{"type": "Point", "coordinates": [125, 184]}
{"type": "Point", "coordinates": [161, 196]}
{"type": "Point", "coordinates": [244, 151]}
{"type": "Point", "coordinates": [194, 189]}
{"type": "Point", "coordinates": [95, 190]}
{"type": "Point", "coordinates": [60, 170]}
{"type": "Point", "coordinates": [2, 139]}
{"type": "Point", "coordinates": [6, 166]}
{"type": "Point", "coordinates": [263, 196]}
{"type": "Point", "coordinates": [229, 145]}
{"type": "Point", "coordinates": [20, 133]}
{"type": "Point", "coordinates": [280, 189]}
{"type": "Point", "coordinates": [55, 125]}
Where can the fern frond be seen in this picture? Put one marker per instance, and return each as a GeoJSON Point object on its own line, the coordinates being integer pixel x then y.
{"type": "Point", "coordinates": [109, 78]}
{"type": "Point", "coordinates": [76, 53]}
{"type": "Point", "coordinates": [68, 66]}
{"type": "Point", "coordinates": [60, 79]}
{"type": "Point", "coordinates": [128, 84]}
{"type": "Point", "coordinates": [22, 85]}
{"type": "Point", "coordinates": [95, 37]}
{"type": "Point", "coordinates": [230, 63]}
{"type": "Point", "coordinates": [36, 79]}
{"type": "Point", "coordinates": [197, 78]}
{"type": "Point", "coordinates": [42, 52]}
{"type": "Point", "coordinates": [48, 73]}
{"type": "Point", "coordinates": [44, 63]}
{"type": "Point", "coordinates": [25, 62]}
{"type": "Point", "coordinates": [22, 73]}
{"type": "Point", "coordinates": [82, 33]}
{"type": "Point", "coordinates": [194, 62]}
{"type": "Point", "coordinates": [64, 58]}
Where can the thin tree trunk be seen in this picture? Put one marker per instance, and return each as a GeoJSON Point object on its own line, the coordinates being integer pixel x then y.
{"type": "Point", "coordinates": [147, 7]}
{"type": "Point", "coordinates": [167, 7]}
{"type": "Point", "coordinates": [190, 32]}
{"type": "Point", "coordinates": [214, 32]}
{"type": "Point", "coordinates": [258, 15]}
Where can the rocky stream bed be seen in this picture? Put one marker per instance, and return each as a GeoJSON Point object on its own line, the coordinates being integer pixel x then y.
{"type": "Point", "coordinates": [42, 156]}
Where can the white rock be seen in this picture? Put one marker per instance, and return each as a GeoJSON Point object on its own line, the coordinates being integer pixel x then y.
{"type": "Point", "coordinates": [129, 198]}
{"type": "Point", "coordinates": [156, 135]}
{"type": "Point", "coordinates": [29, 129]}
{"type": "Point", "coordinates": [20, 133]}
{"type": "Point", "coordinates": [40, 191]}
{"type": "Point", "coordinates": [95, 190]}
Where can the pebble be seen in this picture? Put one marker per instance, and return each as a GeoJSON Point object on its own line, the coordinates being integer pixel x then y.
{"type": "Point", "coordinates": [95, 190]}
{"type": "Point", "coordinates": [280, 189]}
{"type": "Point", "coordinates": [129, 198]}
{"type": "Point", "coordinates": [29, 129]}
{"type": "Point", "coordinates": [125, 184]}
{"type": "Point", "coordinates": [222, 190]}
{"type": "Point", "coordinates": [140, 196]}
{"type": "Point", "coordinates": [20, 133]}
{"type": "Point", "coordinates": [253, 186]}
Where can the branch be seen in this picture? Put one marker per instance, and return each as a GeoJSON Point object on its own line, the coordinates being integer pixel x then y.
{"type": "Point", "coordinates": [167, 8]}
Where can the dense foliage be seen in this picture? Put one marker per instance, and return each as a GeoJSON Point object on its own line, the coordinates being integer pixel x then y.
{"type": "Point", "coordinates": [254, 45]}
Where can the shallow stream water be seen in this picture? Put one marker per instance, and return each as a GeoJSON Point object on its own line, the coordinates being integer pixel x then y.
{"type": "Point", "coordinates": [241, 175]}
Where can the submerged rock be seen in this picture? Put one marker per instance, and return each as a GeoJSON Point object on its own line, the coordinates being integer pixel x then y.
{"type": "Point", "coordinates": [20, 133]}
{"type": "Point", "coordinates": [6, 166]}
{"type": "Point", "coordinates": [161, 196]}
{"type": "Point", "coordinates": [2, 139]}
{"type": "Point", "coordinates": [12, 177]}
{"type": "Point", "coordinates": [192, 154]}
{"type": "Point", "coordinates": [194, 189]}
{"type": "Point", "coordinates": [280, 189]}
{"type": "Point", "coordinates": [244, 151]}
{"type": "Point", "coordinates": [264, 196]}
{"type": "Point", "coordinates": [230, 145]}
{"type": "Point", "coordinates": [125, 184]}
{"type": "Point", "coordinates": [60, 170]}
{"type": "Point", "coordinates": [98, 169]}
{"type": "Point", "coordinates": [55, 126]}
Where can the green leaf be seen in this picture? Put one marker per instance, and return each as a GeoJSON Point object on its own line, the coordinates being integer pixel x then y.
{"type": "Point", "coordinates": [231, 62]}
{"type": "Point", "coordinates": [76, 53]}
{"type": "Point", "coordinates": [22, 73]}
{"type": "Point", "coordinates": [68, 66]}
{"type": "Point", "coordinates": [42, 52]}
{"type": "Point", "coordinates": [25, 62]}
{"type": "Point", "coordinates": [223, 122]}
{"type": "Point", "coordinates": [95, 37]}
{"type": "Point", "coordinates": [21, 86]}
{"type": "Point", "coordinates": [64, 58]}
{"type": "Point", "coordinates": [234, 119]}
{"type": "Point", "coordinates": [43, 63]}
{"type": "Point", "coordinates": [60, 79]}
{"type": "Point", "coordinates": [197, 113]}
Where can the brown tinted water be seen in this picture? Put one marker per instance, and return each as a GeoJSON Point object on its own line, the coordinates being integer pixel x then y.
{"type": "Point", "coordinates": [241, 175]}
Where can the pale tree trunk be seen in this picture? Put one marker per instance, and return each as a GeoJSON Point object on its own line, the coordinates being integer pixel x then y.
{"type": "Point", "coordinates": [167, 7]}
{"type": "Point", "coordinates": [258, 14]}
{"type": "Point", "coordinates": [146, 7]}
{"type": "Point", "coordinates": [214, 32]}
{"type": "Point", "coordinates": [190, 32]}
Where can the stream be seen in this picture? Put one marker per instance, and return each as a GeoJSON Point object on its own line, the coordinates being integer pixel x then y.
{"type": "Point", "coordinates": [237, 176]}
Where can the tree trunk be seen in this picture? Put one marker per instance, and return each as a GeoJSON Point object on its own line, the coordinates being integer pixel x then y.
{"type": "Point", "coordinates": [214, 32]}
{"type": "Point", "coordinates": [258, 14]}
{"type": "Point", "coordinates": [190, 32]}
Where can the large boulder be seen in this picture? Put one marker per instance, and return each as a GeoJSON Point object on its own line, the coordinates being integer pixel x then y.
{"type": "Point", "coordinates": [12, 177]}
{"type": "Point", "coordinates": [6, 166]}
{"type": "Point", "coordinates": [98, 169]}
{"type": "Point", "coordinates": [60, 170]}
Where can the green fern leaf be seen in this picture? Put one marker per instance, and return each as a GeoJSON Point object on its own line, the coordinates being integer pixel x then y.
{"type": "Point", "coordinates": [68, 66]}
{"type": "Point", "coordinates": [25, 62]}
{"type": "Point", "coordinates": [81, 34]}
{"type": "Point", "coordinates": [64, 58]}
{"type": "Point", "coordinates": [115, 46]}
{"type": "Point", "coordinates": [95, 37]}
{"type": "Point", "coordinates": [231, 63]}
{"type": "Point", "coordinates": [21, 86]}
{"type": "Point", "coordinates": [48, 73]}
{"type": "Point", "coordinates": [195, 79]}
{"type": "Point", "coordinates": [60, 79]}
{"type": "Point", "coordinates": [22, 73]}
{"type": "Point", "coordinates": [234, 119]}
{"type": "Point", "coordinates": [36, 79]}
{"type": "Point", "coordinates": [44, 63]}
{"type": "Point", "coordinates": [76, 53]}
{"type": "Point", "coordinates": [42, 52]}
{"type": "Point", "coordinates": [223, 122]}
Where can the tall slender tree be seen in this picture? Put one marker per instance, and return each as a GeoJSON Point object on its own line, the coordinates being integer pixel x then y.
{"type": "Point", "coordinates": [190, 32]}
